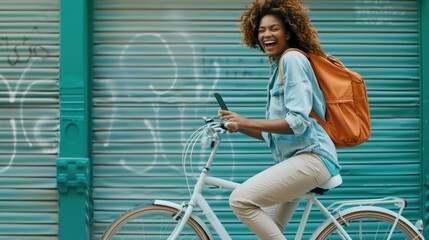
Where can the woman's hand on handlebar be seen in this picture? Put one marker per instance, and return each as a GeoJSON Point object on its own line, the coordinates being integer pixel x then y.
{"type": "Point", "coordinates": [236, 122]}
{"type": "Point", "coordinates": [232, 119]}
{"type": "Point", "coordinates": [231, 126]}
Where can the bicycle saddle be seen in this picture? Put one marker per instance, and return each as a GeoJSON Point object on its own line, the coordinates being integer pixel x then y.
{"type": "Point", "coordinates": [333, 182]}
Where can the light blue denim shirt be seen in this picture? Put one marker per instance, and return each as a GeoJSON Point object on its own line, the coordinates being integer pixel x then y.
{"type": "Point", "coordinates": [293, 102]}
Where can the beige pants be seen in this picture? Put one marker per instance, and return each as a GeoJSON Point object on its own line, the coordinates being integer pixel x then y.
{"type": "Point", "coordinates": [266, 202]}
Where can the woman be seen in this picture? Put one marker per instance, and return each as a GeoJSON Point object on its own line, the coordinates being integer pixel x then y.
{"type": "Point", "coordinates": [304, 154]}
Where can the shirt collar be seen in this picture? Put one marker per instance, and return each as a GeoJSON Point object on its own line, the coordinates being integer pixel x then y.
{"type": "Point", "coordinates": [274, 65]}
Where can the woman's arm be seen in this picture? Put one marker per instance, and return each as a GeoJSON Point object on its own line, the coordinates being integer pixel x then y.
{"type": "Point", "coordinates": [251, 133]}
{"type": "Point", "coordinates": [253, 128]}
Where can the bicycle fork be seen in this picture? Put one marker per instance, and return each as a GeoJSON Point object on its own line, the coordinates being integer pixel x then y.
{"type": "Point", "coordinates": [182, 221]}
{"type": "Point", "coordinates": [189, 208]}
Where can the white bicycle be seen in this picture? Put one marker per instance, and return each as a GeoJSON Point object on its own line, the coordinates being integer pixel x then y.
{"type": "Point", "coordinates": [351, 220]}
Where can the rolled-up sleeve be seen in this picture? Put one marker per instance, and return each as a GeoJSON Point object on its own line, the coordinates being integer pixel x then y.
{"type": "Point", "coordinates": [298, 95]}
{"type": "Point", "coordinates": [265, 137]}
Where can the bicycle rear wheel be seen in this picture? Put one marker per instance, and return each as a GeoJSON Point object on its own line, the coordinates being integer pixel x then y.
{"type": "Point", "coordinates": [370, 225]}
{"type": "Point", "coordinates": [152, 222]}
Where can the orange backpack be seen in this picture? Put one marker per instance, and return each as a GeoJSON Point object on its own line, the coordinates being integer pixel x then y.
{"type": "Point", "coordinates": [347, 109]}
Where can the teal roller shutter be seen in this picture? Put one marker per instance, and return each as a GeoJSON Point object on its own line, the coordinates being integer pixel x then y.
{"type": "Point", "coordinates": [156, 65]}
{"type": "Point", "coordinates": [29, 36]}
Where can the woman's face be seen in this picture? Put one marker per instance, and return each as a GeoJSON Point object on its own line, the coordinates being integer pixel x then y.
{"type": "Point", "coordinates": [272, 36]}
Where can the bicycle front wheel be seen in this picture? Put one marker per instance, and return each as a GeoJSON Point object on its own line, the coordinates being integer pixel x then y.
{"type": "Point", "coordinates": [152, 222]}
{"type": "Point", "coordinates": [370, 225]}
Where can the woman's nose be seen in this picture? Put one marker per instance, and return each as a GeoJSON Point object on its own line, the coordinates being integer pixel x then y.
{"type": "Point", "coordinates": [267, 33]}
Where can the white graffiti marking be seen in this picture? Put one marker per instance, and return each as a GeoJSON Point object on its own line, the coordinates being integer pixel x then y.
{"type": "Point", "coordinates": [377, 15]}
{"type": "Point", "coordinates": [170, 54]}
{"type": "Point", "coordinates": [12, 157]}
{"type": "Point", "coordinates": [153, 124]}
{"type": "Point", "coordinates": [16, 95]}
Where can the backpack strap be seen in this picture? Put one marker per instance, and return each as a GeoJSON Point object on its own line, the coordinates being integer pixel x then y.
{"type": "Point", "coordinates": [318, 119]}
{"type": "Point", "coordinates": [312, 113]}
{"type": "Point", "coordinates": [280, 62]}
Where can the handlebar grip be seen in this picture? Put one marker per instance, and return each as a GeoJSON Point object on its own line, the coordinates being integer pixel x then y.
{"type": "Point", "coordinates": [224, 125]}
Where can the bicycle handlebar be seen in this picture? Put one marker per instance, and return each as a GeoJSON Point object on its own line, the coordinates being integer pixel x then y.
{"type": "Point", "coordinates": [215, 125]}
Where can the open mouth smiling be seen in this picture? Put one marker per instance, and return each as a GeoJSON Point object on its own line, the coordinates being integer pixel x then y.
{"type": "Point", "coordinates": [269, 45]}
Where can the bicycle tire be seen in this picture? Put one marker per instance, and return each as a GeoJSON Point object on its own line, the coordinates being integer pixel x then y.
{"type": "Point", "coordinates": [152, 222]}
{"type": "Point", "coordinates": [377, 222]}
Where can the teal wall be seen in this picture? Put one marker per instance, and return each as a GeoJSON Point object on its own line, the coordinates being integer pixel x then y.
{"type": "Point", "coordinates": [424, 101]}
{"type": "Point", "coordinates": [155, 66]}
{"type": "Point", "coordinates": [29, 119]}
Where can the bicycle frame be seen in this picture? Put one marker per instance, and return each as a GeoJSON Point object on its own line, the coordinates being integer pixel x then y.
{"type": "Point", "coordinates": [198, 199]}
{"type": "Point", "coordinates": [204, 179]}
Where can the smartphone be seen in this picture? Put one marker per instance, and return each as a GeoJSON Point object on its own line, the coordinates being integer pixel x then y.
{"type": "Point", "coordinates": [220, 101]}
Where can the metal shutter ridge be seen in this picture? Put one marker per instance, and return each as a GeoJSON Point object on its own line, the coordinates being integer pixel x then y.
{"type": "Point", "coordinates": [29, 37]}
{"type": "Point", "coordinates": [157, 63]}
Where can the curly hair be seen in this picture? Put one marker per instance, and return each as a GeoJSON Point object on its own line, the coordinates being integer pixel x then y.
{"type": "Point", "coordinates": [295, 18]}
